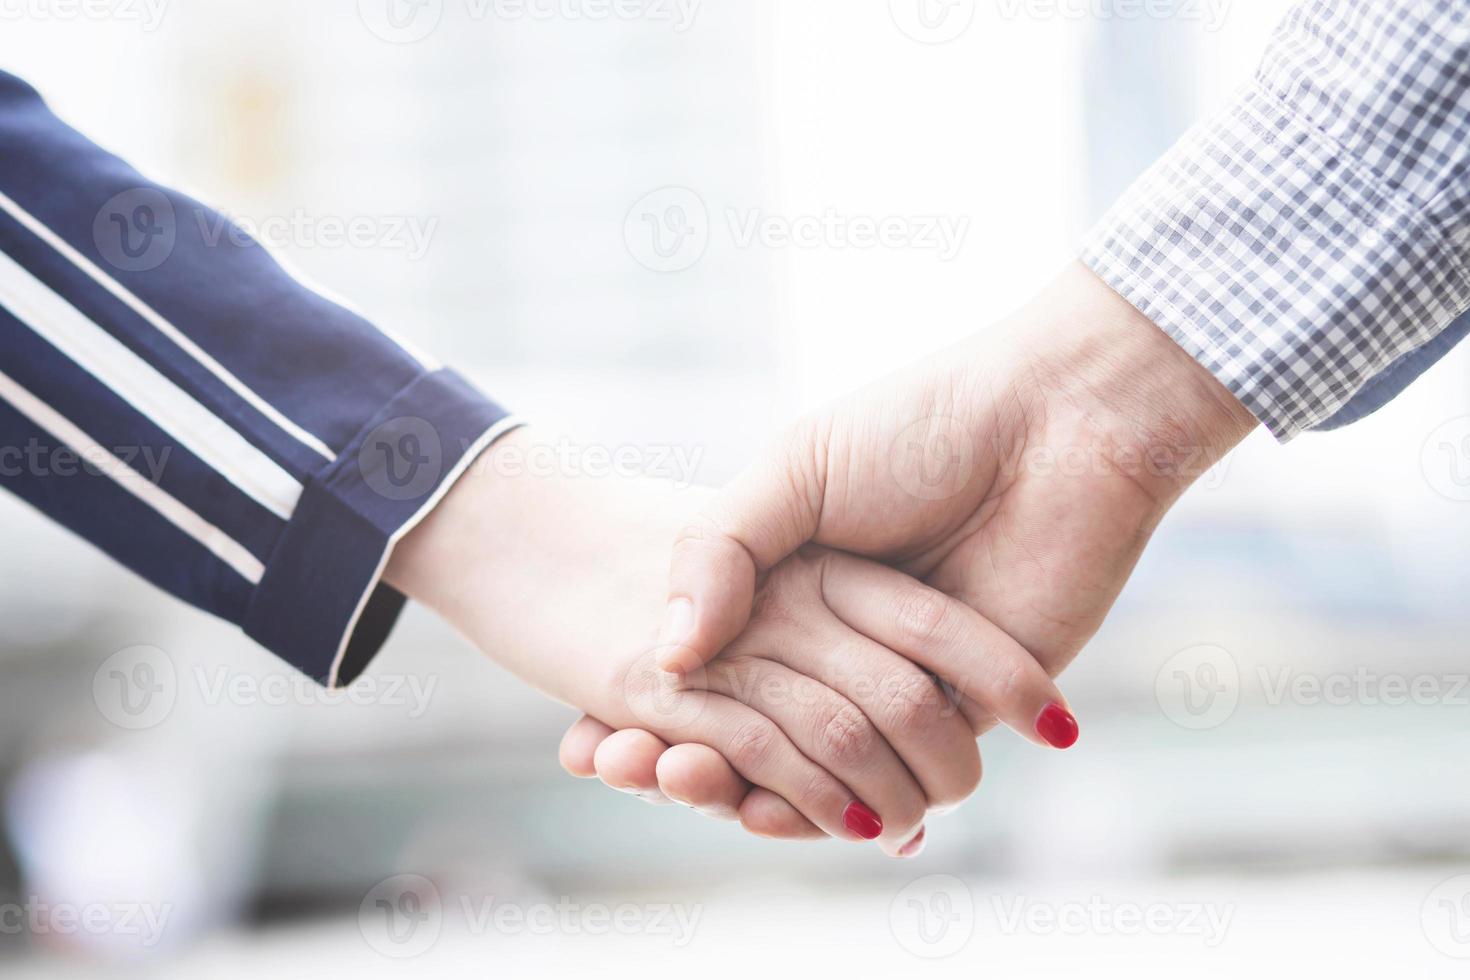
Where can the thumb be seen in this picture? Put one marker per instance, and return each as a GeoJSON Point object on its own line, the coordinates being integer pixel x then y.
{"type": "Point", "coordinates": [769, 511]}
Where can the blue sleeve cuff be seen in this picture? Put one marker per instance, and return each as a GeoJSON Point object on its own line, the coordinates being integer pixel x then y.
{"type": "Point", "coordinates": [320, 604]}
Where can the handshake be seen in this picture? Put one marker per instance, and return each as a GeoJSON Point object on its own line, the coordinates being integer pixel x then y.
{"type": "Point", "coordinates": [903, 571]}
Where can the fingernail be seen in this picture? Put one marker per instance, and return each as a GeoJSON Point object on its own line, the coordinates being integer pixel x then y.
{"type": "Point", "coordinates": [1056, 725]}
{"type": "Point", "coordinates": [914, 847]}
{"type": "Point", "coordinates": [861, 821]}
{"type": "Point", "coordinates": [678, 625]}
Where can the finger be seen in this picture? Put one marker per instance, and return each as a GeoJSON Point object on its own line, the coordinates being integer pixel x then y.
{"type": "Point", "coordinates": [911, 710]}
{"type": "Point", "coordinates": [954, 641]}
{"type": "Point", "coordinates": [765, 814]}
{"type": "Point", "coordinates": [579, 745]}
{"type": "Point", "coordinates": [980, 720]}
{"type": "Point", "coordinates": [693, 774]}
{"type": "Point", "coordinates": [627, 761]}
{"type": "Point", "coordinates": [763, 754]}
{"type": "Point", "coordinates": [699, 777]}
{"type": "Point", "coordinates": [835, 734]}
{"type": "Point", "coordinates": [764, 515]}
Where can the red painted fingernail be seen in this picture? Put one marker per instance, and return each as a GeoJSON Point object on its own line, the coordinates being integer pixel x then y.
{"type": "Point", "coordinates": [914, 847]}
{"type": "Point", "coordinates": [861, 821]}
{"type": "Point", "coordinates": [1057, 726]}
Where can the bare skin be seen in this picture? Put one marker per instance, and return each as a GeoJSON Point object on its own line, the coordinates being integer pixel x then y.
{"type": "Point", "coordinates": [827, 697]}
{"type": "Point", "coordinates": [1021, 472]}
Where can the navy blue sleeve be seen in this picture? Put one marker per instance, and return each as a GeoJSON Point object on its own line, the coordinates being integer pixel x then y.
{"type": "Point", "coordinates": [170, 393]}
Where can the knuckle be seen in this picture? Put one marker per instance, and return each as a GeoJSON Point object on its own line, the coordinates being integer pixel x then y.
{"type": "Point", "coordinates": [704, 540]}
{"type": "Point", "coordinates": [694, 532]}
{"type": "Point", "coordinates": [906, 816]}
{"type": "Point", "coordinates": [921, 615]}
{"type": "Point", "coordinates": [847, 737]}
{"type": "Point", "coordinates": [818, 793]}
{"type": "Point", "coordinates": [911, 701]}
{"type": "Point", "coordinates": [752, 745]}
{"type": "Point", "coordinates": [961, 782]}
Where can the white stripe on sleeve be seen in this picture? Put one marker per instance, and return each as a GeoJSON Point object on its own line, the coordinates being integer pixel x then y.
{"type": "Point", "coordinates": [170, 331]}
{"type": "Point", "coordinates": [225, 548]}
{"type": "Point", "coordinates": [139, 384]}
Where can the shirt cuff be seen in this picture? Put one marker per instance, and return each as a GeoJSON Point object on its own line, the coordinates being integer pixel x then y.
{"type": "Point", "coordinates": [320, 604]}
{"type": "Point", "coordinates": [1279, 261]}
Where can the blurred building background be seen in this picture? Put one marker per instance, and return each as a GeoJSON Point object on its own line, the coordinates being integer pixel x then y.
{"type": "Point", "coordinates": [556, 196]}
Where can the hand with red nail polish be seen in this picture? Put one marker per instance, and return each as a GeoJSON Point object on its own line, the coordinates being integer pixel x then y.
{"type": "Point", "coordinates": [862, 821]}
{"type": "Point", "coordinates": [824, 700]}
{"type": "Point", "coordinates": [1056, 726]}
{"type": "Point", "coordinates": [1019, 473]}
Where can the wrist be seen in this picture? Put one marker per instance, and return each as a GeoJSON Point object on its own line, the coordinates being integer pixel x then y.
{"type": "Point", "coordinates": [1166, 418]}
{"type": "Point", "coordinates": [553, 574]}
{"type": "Point", "coordinates": [453, 550]}
{"type": "Point", "coordinates": [518, 512]}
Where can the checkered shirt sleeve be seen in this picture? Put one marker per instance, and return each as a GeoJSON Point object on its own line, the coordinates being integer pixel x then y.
{"type": "Point", "coordinates": [1317, 229]}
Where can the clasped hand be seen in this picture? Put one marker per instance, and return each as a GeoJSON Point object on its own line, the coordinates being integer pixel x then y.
{"type": "Point", "coordinates": [900, 573]}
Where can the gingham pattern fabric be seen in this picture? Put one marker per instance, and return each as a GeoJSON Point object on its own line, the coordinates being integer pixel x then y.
{"type": "Point", "coordinates": [1317, 230]}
